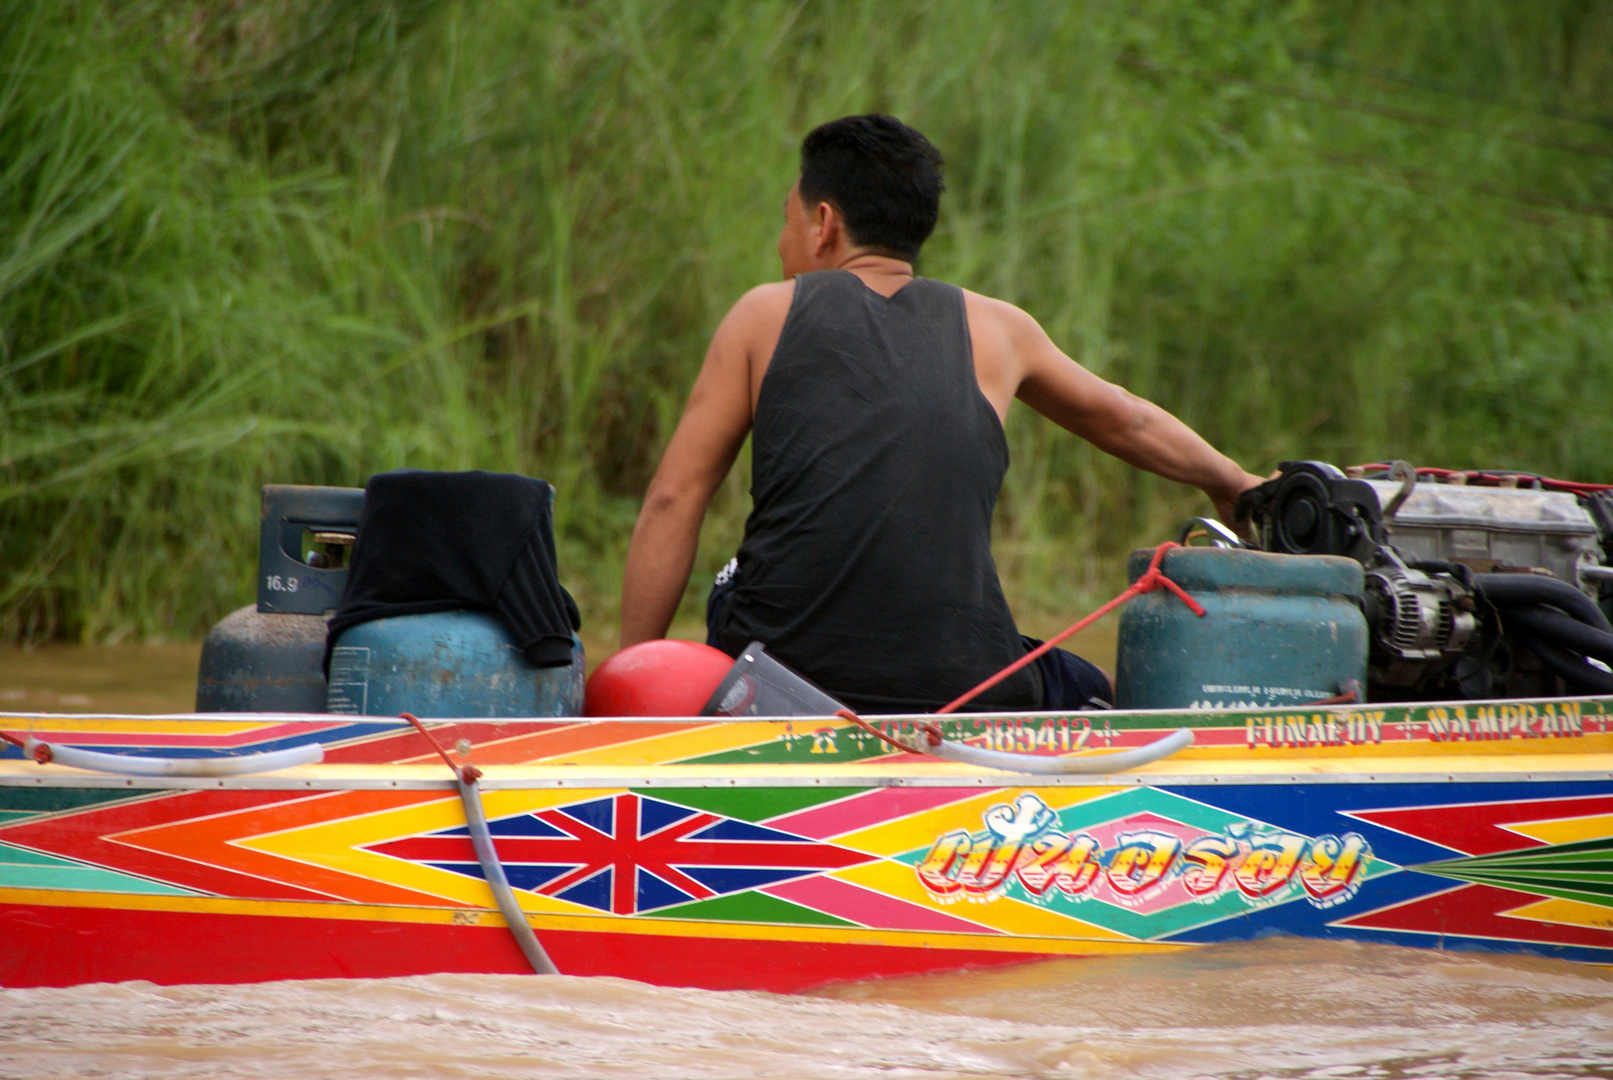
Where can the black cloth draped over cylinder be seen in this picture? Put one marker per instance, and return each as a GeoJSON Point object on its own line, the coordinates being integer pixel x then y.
{"type": "Point", "coordinates": [866, 564]}
{"type": "Point", "coordinates": [476, 541]}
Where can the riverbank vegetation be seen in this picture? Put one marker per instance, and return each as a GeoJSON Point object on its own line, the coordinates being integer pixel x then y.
{"type": "Point", "coordinates": [262, 241]}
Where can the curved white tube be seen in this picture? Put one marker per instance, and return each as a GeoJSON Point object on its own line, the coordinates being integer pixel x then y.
{"type": "Point", "coordinates": [129, 765]}
{"type": "Point", "coordinates": [1085, 765]}
{"type": "Point", "coordinates": [481, 839]}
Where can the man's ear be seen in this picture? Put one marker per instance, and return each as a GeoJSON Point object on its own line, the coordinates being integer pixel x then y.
{"type": "Point", "coordinates": [827, 227]}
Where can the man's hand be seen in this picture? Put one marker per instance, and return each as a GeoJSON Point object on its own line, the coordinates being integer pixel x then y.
{"type": "Point", "coordinates": [1226, 502]}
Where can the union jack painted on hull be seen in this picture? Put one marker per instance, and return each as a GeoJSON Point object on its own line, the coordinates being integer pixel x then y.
{"type": "Point", "coordinates": [784, 854]}
{"type": "Point", "coordinates": [630, 853]}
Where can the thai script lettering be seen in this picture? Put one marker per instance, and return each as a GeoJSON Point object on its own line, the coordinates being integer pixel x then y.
{"type": "Point", "coordinates": [1022, 842]}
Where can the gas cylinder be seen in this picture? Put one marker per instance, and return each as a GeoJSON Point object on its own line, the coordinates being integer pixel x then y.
{"type": "Point", "coordinates": [446, 664]}
{"type": "Point", "coordinates": [268, 656]}
{"type": "Point", "coordinates": [1277, 630]}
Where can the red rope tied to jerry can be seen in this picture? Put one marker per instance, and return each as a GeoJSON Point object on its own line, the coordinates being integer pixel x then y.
{"type": "Point", "coordinates": [1153, 579]}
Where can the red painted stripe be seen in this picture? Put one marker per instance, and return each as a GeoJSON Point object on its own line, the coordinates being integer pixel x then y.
{"type": "Point", "coordinates": [92, 836]}
{"type": "Point", "coordinates": [405, 744]}
{"type": "Point", "coordinates": [64, 946]}
{"type": "Point", "coordinates": [211, 840]}
{"type": "Point", "coordinates": [1480, 828]}
{"type": "Point", "coordinates": [1477, 911]}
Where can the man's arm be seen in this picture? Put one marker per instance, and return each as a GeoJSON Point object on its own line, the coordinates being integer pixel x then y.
{"type": "Point", "coordinates": [1114, 419]}
{"type": "Point", "coordinates": [702, 450]}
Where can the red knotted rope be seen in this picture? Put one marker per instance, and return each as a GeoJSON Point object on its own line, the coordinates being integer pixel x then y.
{"type": "Point", "coordinates": [468, 773]}
{"type": "Point", "coordinates": [1154, 579]}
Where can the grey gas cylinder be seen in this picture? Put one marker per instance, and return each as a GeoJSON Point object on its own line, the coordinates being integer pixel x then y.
{"type": "Point", "coordinates": [268, 657]}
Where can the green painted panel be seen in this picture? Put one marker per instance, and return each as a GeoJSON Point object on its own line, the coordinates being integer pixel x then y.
{"type": "Point", "coordinates": [1107, 808]}
{"type": "Point", "coordinates": [46, 800]}
{"type": "Point", "coordinates": [750, 907]}
{"type": "Point", "coordinates": [805, 749]}
{"type": "Point", "coordinates": [1526, 882]}
{"type": "Point", "coordinates": [16, 856]}
{"type": "Point", "coordinates": [23, 869]}
{"type": "Point", "coordinates": [1581, 871]}
{"type": "Point", "coordinates": [751, 804]}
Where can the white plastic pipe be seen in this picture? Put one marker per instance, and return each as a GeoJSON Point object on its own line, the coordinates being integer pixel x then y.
{"type": "Point", "coordinates": [129, 765]}
{"type": "Point", "coordinates": [481, 838]}
{"type": "Point", "coordinates": [1085, 765]}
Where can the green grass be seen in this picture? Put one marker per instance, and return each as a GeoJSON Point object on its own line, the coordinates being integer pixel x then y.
{"type": "Point", "coordinates": [303, 242]}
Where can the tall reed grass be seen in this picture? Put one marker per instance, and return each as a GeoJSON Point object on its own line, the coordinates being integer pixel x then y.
{"type": "Point", "coordinates": [264, 241]}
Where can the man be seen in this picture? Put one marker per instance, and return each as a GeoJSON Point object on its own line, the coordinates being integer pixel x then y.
{"type": "Point", "coordinates": [877, 401]}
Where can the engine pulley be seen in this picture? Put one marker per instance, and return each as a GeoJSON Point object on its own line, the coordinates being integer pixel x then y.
{"type": "Point", "coordinates": [1314, 509]}
{"type": "Point", "coordinates": [1415, 618]}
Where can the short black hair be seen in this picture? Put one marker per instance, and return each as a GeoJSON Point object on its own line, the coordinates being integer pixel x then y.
{"type": "Point", "coordinates": [883, 177]}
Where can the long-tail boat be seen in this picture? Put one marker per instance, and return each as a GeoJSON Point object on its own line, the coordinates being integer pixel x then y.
{"type": "Point", "coordinates": [782, 854]}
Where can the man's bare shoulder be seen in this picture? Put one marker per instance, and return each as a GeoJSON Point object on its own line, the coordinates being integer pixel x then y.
{"type": "Point", "coordinates": [764, 305]}
{"type": "Point", "coordinates": [998, 317]}
{"type": "Point", "coordinates": [750, 332]}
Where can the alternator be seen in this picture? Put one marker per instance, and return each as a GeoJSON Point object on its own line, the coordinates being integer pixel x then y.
{"type": "Point", "coordinates": [1415, 618]}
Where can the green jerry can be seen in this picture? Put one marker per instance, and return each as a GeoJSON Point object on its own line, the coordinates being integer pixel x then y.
{"type": "Point", "coordinates": [1277, 630]}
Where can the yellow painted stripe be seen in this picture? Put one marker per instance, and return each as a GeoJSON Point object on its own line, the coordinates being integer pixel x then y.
{"type": "Point", "coordinates": [137, 726]}
{"type": "Point", "coordinates": [222, 905]}
{"type": "Point", "coordinates": [1566, 913]}
{"type": "Point", "coordinates": [1589, 743]}
{"type": "Point", "coordinates": [859, 936]}
{"type": "Point", "coordinates": [1565, 830]}
{"type": "Point", "coordinates": [679, 745]}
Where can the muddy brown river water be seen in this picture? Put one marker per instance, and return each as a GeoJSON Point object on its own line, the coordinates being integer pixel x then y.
{"type": "Point", "coordinates": [1276, 1008]}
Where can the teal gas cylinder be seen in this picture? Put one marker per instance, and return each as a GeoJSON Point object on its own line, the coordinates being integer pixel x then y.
{"type": "Point", "coordinates": [446, 664]}
{"type": "Point", "coordinates": [268, 656]}
{"type": "Point", "coordinates": [1277, 630]}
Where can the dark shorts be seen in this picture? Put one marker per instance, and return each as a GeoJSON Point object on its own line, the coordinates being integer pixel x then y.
{"type": "Point", "coordinates": [1069, 683]}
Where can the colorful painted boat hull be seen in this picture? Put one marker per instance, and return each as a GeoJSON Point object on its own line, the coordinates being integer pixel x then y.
{"type": "Point", "coordinates": [780, 855]}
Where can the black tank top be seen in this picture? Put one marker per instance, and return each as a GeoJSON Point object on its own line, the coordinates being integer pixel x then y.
{"type": "Point", "coordinates": [876, 462]}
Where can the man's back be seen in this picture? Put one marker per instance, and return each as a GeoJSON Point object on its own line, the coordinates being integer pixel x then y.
{"type": "Point", "coordinates": [867, 198]}
{"type": "Point", "coordinates": [867, 563]}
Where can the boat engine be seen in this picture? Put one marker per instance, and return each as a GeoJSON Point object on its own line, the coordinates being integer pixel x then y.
{"type": "Point", "coordinates": [1478, 584]}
